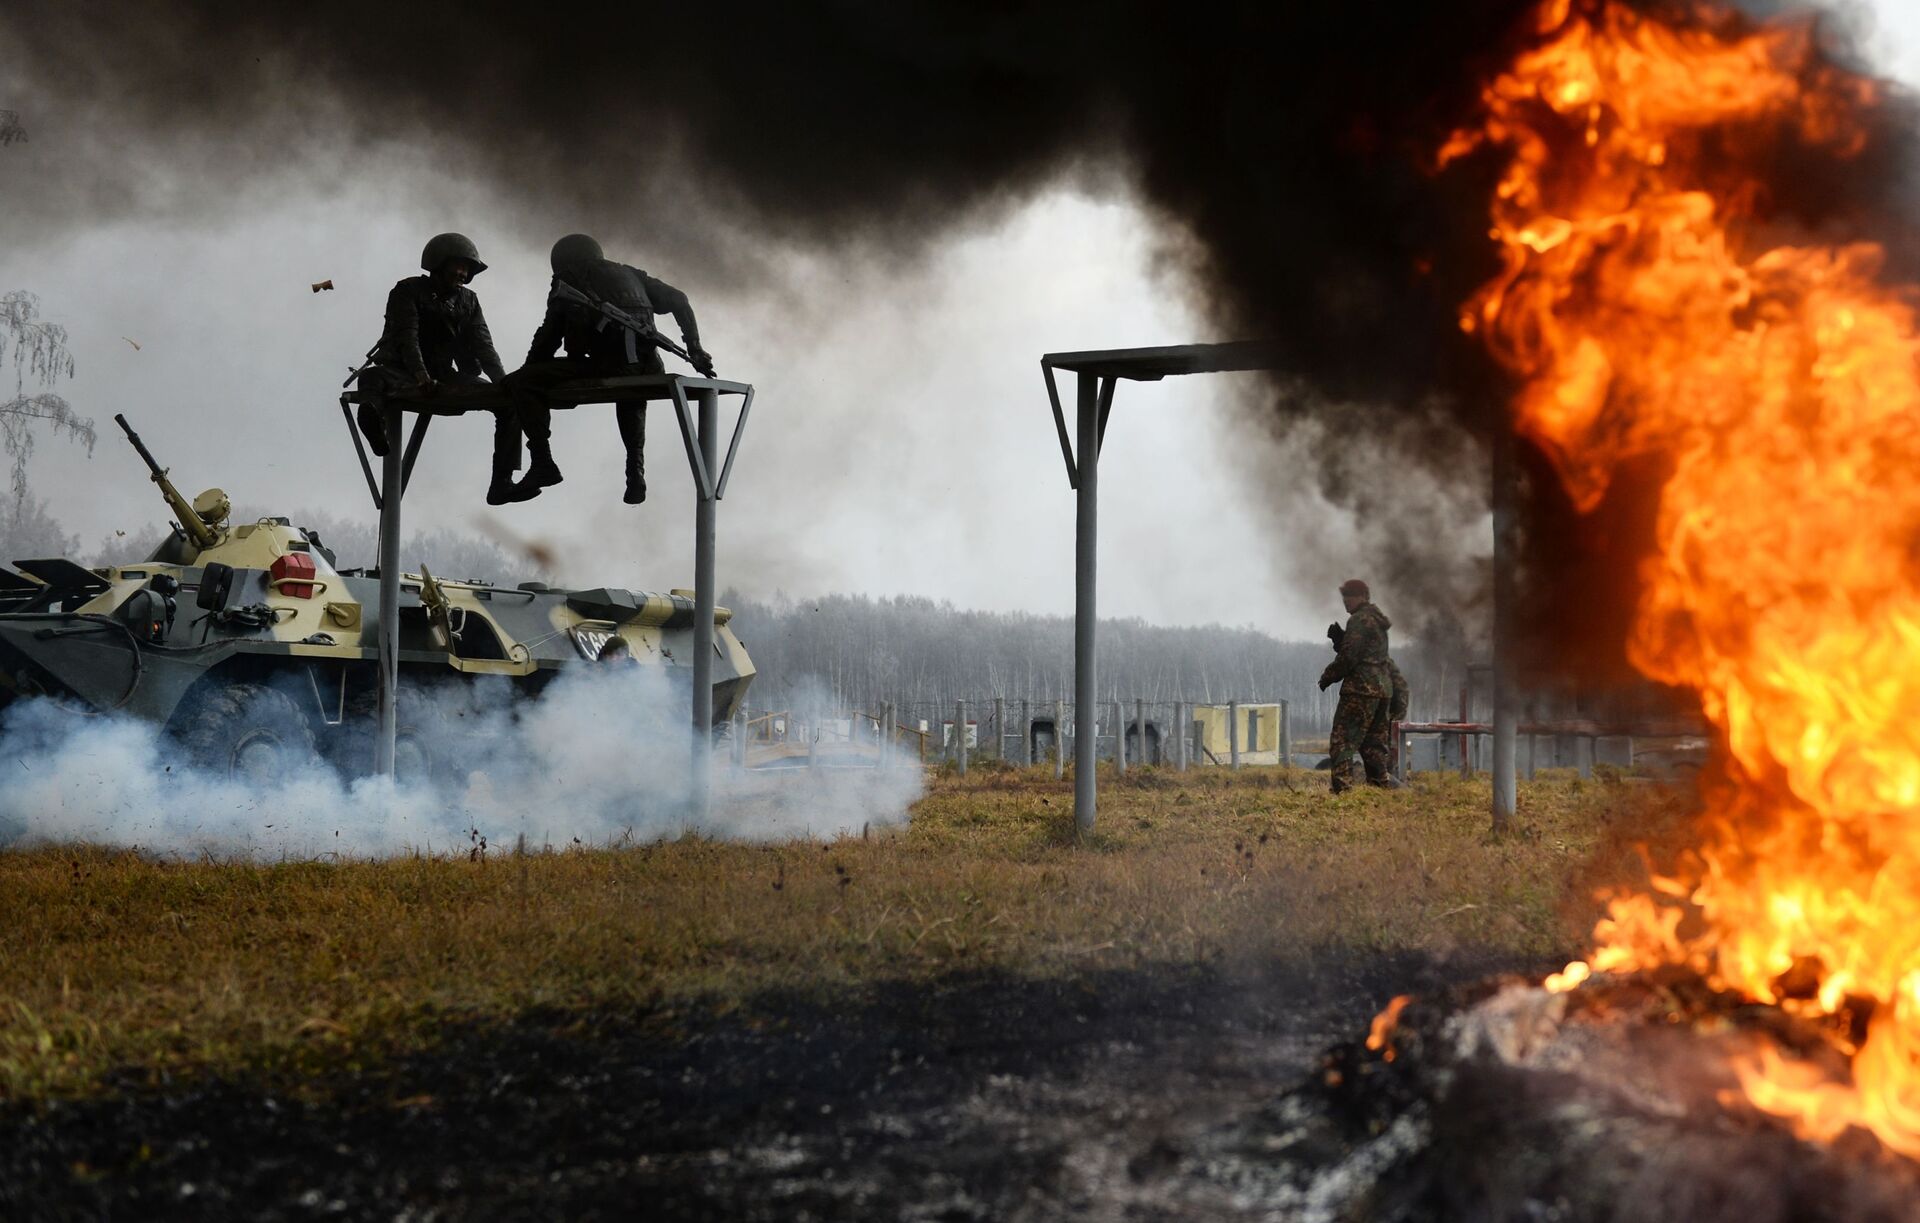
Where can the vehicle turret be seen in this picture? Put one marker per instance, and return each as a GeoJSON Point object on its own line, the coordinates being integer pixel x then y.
{"type": "Point", "coordinates": [203, 519]}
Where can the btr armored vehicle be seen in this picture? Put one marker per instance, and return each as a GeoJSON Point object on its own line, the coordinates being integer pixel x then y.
{"type": "Point", "coordinates": [248, 644]}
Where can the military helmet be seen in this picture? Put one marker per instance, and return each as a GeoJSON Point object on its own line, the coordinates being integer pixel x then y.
{"type": "Point", "coordinates": [442, 247]}
{"type": "Point", "coordinates": [574, 250]}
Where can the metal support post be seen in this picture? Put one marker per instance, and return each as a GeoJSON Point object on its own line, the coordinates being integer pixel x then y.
{"type": "Point", "coordinates": [391, 494]}
{"type": "Point", "coordinates": [1026, 732]}
{"type": "Point", "coordinates": [1506, 719]}
{"type": "Point", "coordinates": [1000, 729]}
{"type": "Point", "coordinates": [1181, 735]}
{"type": "Point", "coordinates": [1286, 735]}
{"type": "Point", "coordinates": [1060, 745]}
{"type": "Point", "coordinates": [1233, 733]}
{"type": "Point", "coordinates": [707, 438]}
{"type": "Point", "coordinates": [960, 735]}
{"type": "Point", "coordinates": [1140, 720]}
{"type": "Point", "coordinates": [1086, 544]}
{"type": "Point", "coordinates": [1466, 741]}
{"type": "Point", "coordinates": [1119, 738]}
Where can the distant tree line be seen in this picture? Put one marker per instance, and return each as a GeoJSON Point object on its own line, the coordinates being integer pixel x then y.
{"type": "Point", "coordinates": [855, 651]}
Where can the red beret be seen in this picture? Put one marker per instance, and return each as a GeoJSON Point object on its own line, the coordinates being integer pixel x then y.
{"type": "Point", "coordinates": [1354, 586]}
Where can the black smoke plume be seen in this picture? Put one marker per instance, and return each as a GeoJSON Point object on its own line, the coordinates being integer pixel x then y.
{"type": "Point", "coordinates": [1287, 146]}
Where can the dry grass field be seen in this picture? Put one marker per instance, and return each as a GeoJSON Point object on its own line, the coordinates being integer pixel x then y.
{"type": "Point", "coordinates": [117, 969]}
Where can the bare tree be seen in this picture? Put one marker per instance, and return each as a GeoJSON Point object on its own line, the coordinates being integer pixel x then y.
{"type": "Point", "coordinates": [40, 356]}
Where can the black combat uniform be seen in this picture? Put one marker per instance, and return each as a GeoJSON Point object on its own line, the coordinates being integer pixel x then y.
{"type": "Point", "coordinates": [438, 332]}
{"type": "Point", "coordinates": [596, 348]}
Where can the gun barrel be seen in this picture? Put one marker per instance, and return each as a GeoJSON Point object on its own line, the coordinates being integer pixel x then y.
{"type": "Point", "coordinates": [196, 528]}
{"type": "Point", "coordinates": [146, 455]}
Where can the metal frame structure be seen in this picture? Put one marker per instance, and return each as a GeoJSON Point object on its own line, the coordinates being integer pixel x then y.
{"type": "Point", "coordinates": [1099, 372]}
{"type": "Point", "coordinates": [696, 407]}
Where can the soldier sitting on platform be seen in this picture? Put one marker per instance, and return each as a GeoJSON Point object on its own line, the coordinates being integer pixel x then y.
{"type": "Point", "coordinates": [596, 348]}
{"type": "Point", "coordinates": [436, 334]}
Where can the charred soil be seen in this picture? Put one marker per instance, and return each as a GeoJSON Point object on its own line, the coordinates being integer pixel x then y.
{"type": "Point", "coordinates": [972, 1097]}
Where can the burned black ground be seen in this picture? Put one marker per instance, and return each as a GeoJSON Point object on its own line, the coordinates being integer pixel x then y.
{"type": "Point", "coordinates": [976, 1097]}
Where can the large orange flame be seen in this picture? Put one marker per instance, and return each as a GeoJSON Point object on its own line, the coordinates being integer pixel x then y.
{"type": "Point", "coordinates": [1647, 308]}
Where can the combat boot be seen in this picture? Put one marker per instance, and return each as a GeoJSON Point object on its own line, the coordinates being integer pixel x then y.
{"type": "Point", "coordinates": [636, 481]}
{"type": "Point", "coordinates": [542, 471]}
{"type": "Point", "coordinates": [502, 490]}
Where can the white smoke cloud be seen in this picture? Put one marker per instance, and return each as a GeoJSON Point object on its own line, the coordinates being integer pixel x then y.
{"type": "Point", "coordinates": [602, 757]}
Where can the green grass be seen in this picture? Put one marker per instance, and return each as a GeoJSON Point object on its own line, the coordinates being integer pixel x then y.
{"type": "Point", "coordinates": [113, 962]}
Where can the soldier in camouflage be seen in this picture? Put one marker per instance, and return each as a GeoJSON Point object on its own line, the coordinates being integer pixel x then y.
{"type": "Point", "coordinates": [1376, 751]}
{"type": "Point", "coordinates": [596, 349]}
{"type": "Point", "coordinates": [1361, 667]}
{"type": "Point", "coordinates": [436, 335]}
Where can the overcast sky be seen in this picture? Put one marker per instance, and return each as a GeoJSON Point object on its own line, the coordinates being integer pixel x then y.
{"type": "Point", "coordinates": [900, 441]}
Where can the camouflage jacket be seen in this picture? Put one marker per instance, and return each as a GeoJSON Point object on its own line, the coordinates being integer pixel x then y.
{"type": "Point", "coordinates": [435, 332]}
{"type": "Point", "coordinates": [1361, 666]}
{"type": "Point", "coordinates": [582, 330]}
{"type": "Point", "coordinates": [1402, 697]}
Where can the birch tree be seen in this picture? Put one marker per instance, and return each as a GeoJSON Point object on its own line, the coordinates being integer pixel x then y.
{"type": "Point", "coordinates": [38, 352]}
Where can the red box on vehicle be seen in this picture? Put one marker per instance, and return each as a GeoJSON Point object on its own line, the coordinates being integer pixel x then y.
{"type": "Point", "coordinates": [293, 565]}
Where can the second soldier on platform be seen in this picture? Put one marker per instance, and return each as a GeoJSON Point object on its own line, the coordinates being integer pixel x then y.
{"type": "Point", "coordinates": [436, 334]}
{"type": "Point", "coordinates": [597, 347]}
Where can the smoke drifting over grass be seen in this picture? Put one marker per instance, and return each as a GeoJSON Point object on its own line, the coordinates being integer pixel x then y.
{"type": "Point", "coordinates": [601, 758]}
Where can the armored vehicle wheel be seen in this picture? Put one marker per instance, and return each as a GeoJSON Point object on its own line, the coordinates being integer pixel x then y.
{"type": "Point", "coordinates": [420, 744]}
{"type": "Point", "coordinates": [423, 744]}
{"type": "Point", "coordinates": [248, 732]}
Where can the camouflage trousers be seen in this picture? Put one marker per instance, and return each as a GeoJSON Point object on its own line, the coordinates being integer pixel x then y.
{"type": "Point", "coordinates": [1359, 723]}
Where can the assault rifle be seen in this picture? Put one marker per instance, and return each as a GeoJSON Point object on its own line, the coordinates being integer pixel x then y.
{"type": "Point", "coordinates": [612, 315]}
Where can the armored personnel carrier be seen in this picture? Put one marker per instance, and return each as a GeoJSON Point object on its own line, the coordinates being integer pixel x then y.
{"type": "Point", "coordinates": [248, 644]}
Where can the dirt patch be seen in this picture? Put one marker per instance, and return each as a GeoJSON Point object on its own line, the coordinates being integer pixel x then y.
{"type": "Point", "coordinates": [978, 1097]}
